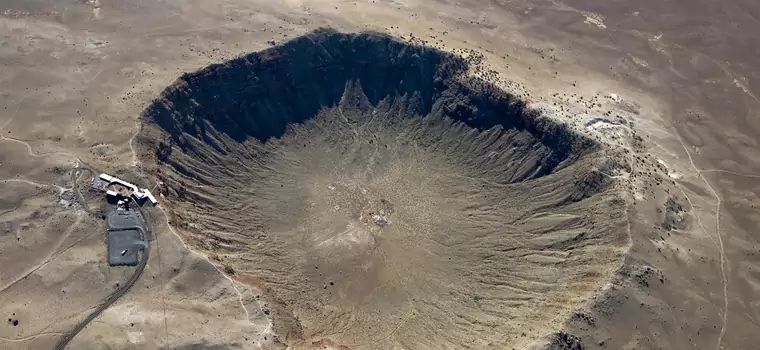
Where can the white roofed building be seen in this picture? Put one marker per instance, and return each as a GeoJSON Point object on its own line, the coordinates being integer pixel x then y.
{"type": "Point", "coordinates": [118, 187]}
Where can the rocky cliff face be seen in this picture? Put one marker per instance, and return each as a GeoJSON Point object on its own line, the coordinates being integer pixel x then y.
{"type": "Point", "coordinates": [258, 95]}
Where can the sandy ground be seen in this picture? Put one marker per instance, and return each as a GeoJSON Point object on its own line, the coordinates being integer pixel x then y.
{"type": "Point", "coordinates": [75, 76]}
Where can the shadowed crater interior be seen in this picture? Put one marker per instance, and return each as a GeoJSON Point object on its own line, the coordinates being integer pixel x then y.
{"type": "Point", "coordinates": [380, 197]}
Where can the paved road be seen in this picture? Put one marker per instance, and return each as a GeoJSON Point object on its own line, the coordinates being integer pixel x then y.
{"type": "Point", "coordinates": [107, 302]}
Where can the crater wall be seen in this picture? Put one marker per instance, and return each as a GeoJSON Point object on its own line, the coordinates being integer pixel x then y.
{"type": "Point", "coordinates": [379, 197]}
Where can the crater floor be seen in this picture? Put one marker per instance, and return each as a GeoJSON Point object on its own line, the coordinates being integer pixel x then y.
{"type": "Point", "coordinates": [379, 197]}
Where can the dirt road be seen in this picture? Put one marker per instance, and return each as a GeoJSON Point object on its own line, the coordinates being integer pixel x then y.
{"type": "Point", "coordinates": [111, 299]}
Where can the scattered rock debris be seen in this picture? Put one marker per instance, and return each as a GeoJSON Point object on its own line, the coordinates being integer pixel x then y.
{"type": "Point", "coordinates": [564, 341]}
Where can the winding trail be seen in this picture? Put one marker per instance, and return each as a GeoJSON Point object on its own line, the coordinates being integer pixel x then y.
{"type": "Point", "coordinates": [723, 259]}
{"type": "Point", "coordinates": [53, 252]}
{"type": "Point", "coordinates": [730, 172]}
{"type": "Point", "coordinates": [135, 160]}
{"type": "Point", "coordinates": [31, 337]}
{"type": "Point", "coordinates": [233, 282]}
{"type": "Point", "coordinates": [36, 184]}
{"type": "Point", "coordinates": [30, 150]}
{"type": "Point", "coordinates": [52, 255]}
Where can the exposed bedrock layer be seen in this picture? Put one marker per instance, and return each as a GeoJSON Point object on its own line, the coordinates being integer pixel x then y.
{"type": "Point", "coordinates": [380, 197]}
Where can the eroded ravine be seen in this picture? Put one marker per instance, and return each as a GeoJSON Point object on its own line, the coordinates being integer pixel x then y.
{"type": "Point", "coordinates": [365, 184]}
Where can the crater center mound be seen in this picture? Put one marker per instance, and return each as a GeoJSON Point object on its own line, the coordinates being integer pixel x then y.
{"type": "Point", "coordinates": [380, 197]}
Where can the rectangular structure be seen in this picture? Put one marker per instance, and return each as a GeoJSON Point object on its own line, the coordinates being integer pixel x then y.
{"type": "Point", "coordinates": [122, 247]}
{"type": "Point", "coordinates": [127, 234]}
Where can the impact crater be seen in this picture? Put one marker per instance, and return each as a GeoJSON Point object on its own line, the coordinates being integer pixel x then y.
{"type": "Point", "coordinates": [380, 197]}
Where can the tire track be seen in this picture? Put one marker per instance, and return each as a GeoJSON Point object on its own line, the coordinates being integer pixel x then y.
{"type": "Point", "coordinates": [723, 259]}
{"type": "Point", "coordinates": [54, 253]}
{"type": "Point", "coordinates": [31, 337]}
{"type": "Point", "coordinates": [30, 150]}
{"type": "Point", "coordinates": [730, 172]}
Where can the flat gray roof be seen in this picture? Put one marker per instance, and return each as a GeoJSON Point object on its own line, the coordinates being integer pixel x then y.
{"type": "Point", "coordinates": [126, 235]}
{"type": "Point", "coordinates": [127, 242]}
{"type": "Point", "coordinates": [122, 220]}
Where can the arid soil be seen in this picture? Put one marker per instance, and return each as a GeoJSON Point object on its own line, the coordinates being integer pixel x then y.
{"type": "Point", "coordinates": [668, 92]}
